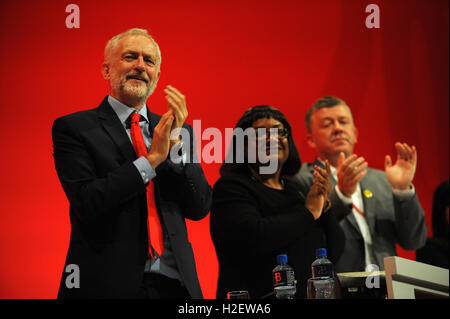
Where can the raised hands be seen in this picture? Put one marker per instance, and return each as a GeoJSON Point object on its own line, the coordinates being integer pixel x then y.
{"type": "Point", "coordinates": [319, 191]}
{"type": "Point", "coordinates": [161, 140]}
{"type": "Point", "coordinates": [172, 120]}
{"type": "Point", "coordinates": [177, 106]}
{"type": "Point", "coordinates": [350, 171]}
{"type": "Point", "coordinates": [401, 174]}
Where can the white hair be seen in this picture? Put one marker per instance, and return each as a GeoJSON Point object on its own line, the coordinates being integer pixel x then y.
{"type": "Point", "coordinates": [112, 44]}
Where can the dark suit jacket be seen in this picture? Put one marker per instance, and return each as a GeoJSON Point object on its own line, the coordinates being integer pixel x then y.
{"type": "Point", "coordinates": [108, 209]}
{"type": "Point", "coordinates": [390, 220]}
{"type": "Point", "coordinates": [435, 252]}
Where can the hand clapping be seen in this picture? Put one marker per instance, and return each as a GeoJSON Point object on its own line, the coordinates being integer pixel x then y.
{"type": "Point", "coordinates": [177, 106]}
{"type": "Point", "coordinates": [172, 120]}
{"type": "Point", "coordinates": [401, 174]}
{"type": "Point", "coordinates": [319, 191]}
{"type": "Point", "coordinates": [350, 171]}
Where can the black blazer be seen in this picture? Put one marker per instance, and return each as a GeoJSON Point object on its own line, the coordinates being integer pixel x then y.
{"type": "Point", "coordinates": [108, 209]}
{"type": "Point", "coordinates": [251, 224]}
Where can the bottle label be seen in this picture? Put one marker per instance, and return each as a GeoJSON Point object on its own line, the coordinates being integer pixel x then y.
{"type": "Point", "coordinates": [323, 271]}
{"type": "Point", "coordinates": [283, 278]}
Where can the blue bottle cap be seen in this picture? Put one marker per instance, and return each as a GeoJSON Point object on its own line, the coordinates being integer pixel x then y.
{"type": "Point", "coordinates": [282, 259]}
{"type": "Point", "coordinates": [321, 252]}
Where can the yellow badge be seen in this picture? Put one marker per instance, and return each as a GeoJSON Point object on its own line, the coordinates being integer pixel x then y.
{"type": "Point", "coordinates": [368, 193]}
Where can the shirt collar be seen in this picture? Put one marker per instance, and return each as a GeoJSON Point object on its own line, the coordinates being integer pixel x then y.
{"type": "Point", "coordinates": [123, 111]}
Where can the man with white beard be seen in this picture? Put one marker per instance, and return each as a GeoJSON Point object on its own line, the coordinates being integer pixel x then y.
{"type": "Point", "coordinates": [128, 199]}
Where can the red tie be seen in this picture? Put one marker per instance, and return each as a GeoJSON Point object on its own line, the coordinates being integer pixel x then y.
{"type": "Point", "coordinates": [155, 236]}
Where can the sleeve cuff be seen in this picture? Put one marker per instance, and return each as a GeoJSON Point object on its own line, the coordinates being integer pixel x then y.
{"type": "Point", "coordinates": [145, 169]}
{"type": "Point", "coordinates": [346, 200]}
{"type": "Point", "coordinates": [177, 158]}
{"type": "Point", "coordinates": [404, 194]}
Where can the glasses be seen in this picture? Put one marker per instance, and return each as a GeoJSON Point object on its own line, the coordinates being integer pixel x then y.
{"type": "Point", "coordinates": [263, 133]}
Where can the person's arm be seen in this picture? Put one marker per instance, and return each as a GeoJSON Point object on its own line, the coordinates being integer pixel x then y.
{"type": "Point", "coordinates": [409, 215]}
{"type": "Point", "coordinates": [341, 205]}
{"type": "Point", "coordinates": [410, 222]}
{"type": "Point", "coordinates": [183, 175]}
{"type": "Point", "coordinates": [335, 237]}
{"type": "Point", "coordinates": [187, 183]}
{"type": "Point", "coordinates": [350, 171]}
{"type": "Point", "coordinates": [304, 180]}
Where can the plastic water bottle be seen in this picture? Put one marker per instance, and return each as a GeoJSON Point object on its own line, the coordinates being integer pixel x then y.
{"type": "Point", "coordinates": [321, 288]}
{"type": "Point", "coordinates": [322, 285]}
{"type": "Point", "coordinates": [322, 268]}
{"type": "Point", "coordinates": [283, 279]}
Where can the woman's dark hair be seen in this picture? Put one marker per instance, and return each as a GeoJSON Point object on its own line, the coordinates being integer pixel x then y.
{"type": "Point", "coordinates": [440, 204]}
{"type": "Point", "coordinates": [293, 162]}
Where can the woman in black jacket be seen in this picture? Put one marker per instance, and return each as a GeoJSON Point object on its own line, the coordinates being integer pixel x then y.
{"type": "Point", "coordinates": [258, 213]}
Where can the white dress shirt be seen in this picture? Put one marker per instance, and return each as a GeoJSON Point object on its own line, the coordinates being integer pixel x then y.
{"type": "Point", "coordinates": [357, 201]}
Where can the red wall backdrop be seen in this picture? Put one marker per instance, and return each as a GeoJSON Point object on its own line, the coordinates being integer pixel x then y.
{"type": "Point", "coordinates": [225, 56]}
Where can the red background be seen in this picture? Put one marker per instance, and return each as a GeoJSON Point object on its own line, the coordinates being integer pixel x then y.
{"type": "Point", "coordinates": [225, 56]}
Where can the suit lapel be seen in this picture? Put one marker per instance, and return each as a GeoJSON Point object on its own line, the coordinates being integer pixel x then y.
{"type": "Point", "coordinates": [115, 129]}
{"type": "Point", "coordinates": [369, 204]}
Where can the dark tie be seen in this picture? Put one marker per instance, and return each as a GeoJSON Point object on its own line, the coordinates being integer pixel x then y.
{"type": "Point", "coordinates": [155, 235]}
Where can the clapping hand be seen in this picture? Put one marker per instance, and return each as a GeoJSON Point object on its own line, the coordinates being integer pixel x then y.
{"type": "Point", "coordinates": [177, 107]}
{"type": "Point", "coordinates": [401, 174]}
{"type": "Point", "coordinates": [161, 142]}
{"type": "Point", "coordinates": [350, 171]}
{"type": "Point", "coordinates": [319, 191]}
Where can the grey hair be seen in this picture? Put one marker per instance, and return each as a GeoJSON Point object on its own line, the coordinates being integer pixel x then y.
{"type": "Point", "coordinates": [112, 43]}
